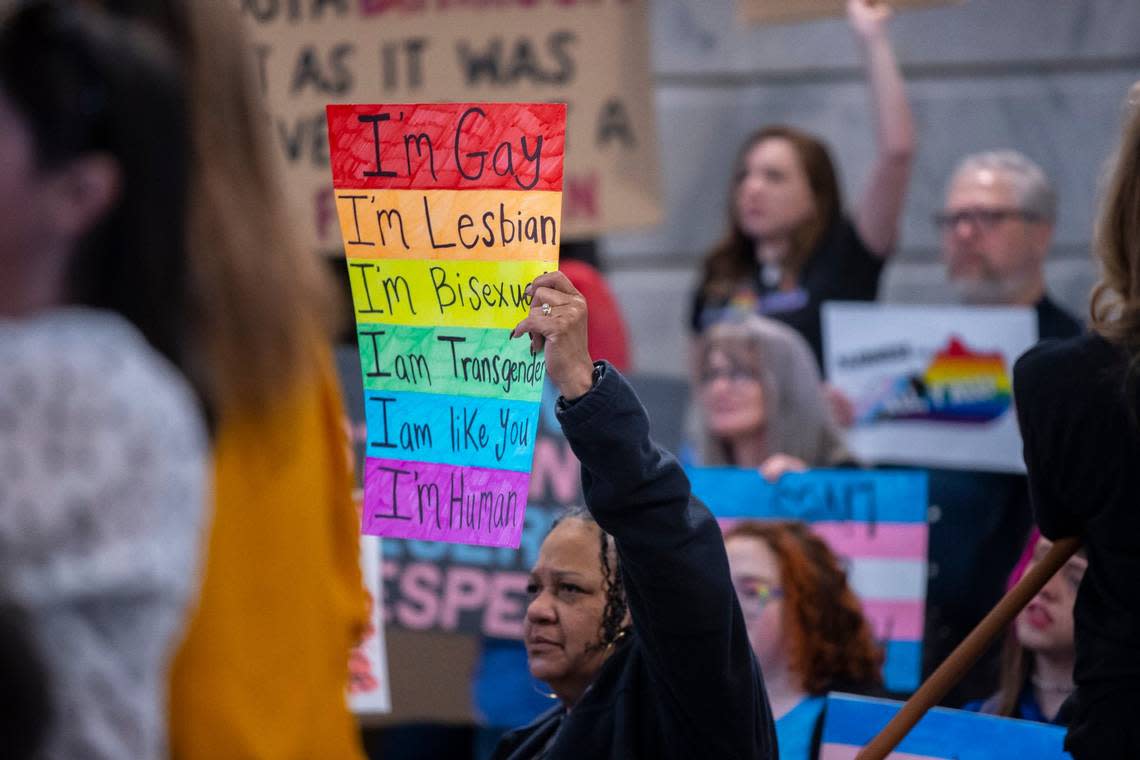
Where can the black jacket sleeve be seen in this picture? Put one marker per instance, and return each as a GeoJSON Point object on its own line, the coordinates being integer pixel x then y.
{"type": "Point", "coordinates": [1032, 396]}
{"type": "Point", "coordinates": [676, 574]}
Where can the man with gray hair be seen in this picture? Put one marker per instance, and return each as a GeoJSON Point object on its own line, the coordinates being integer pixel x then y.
{"type": "Point", "coordinates": [996, 228]}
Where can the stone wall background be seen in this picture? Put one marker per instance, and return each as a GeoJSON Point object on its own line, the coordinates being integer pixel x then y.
{"type": "Point", "coordinates": [1047, 77]}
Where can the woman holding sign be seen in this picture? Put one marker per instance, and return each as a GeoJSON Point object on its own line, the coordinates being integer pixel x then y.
{"type": "Point", "coordinates": [632, 620]}
{"type": "Point", "coordinates": [1078, 405]}
{"type": "Point", "coordinates": [789, 245]}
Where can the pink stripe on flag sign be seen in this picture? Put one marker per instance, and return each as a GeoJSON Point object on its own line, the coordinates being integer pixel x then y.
{"type": "Point", "coordinates": [893, 619]}
{"type": "Point", "coordinates": [878, 541]}
{"type": "Point", "coordinates": [852, 539]}
{"type": "Point", "coordinates": [438, 502]}
{"type": "Point", "coordinates": [831, 751]}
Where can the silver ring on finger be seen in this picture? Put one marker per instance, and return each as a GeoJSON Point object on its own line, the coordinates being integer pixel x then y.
{"type": "Point", "coordinates": [545, 310]}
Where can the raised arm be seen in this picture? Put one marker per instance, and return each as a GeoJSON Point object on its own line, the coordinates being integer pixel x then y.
{"type": "Point", "coordinates": [880, 206]}
{"type": "Point", "coordinates": [672, 555]}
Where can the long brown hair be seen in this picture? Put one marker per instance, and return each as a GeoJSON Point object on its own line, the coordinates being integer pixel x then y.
{"type": "Point", "coordinates": [259, 301]}
{"type": "Point", "coordinates": [734, 257]}
{"type": "Point", "coordinates": [830, 642]}
{"type": "Point", "coordinates": [1115, 306]}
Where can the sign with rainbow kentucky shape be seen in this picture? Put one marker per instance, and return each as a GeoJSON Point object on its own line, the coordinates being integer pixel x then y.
{"type": "Point", "coordinates": [447, 212]}
{"type": "Point", "coordinates": [931, 385]}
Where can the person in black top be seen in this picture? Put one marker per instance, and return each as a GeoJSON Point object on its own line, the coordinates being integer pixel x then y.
{"type": "Point", "coordinates": [633, 619]}
{"type": "Point", "coordinates": [1078, 404]}
{"type": "Point", "coordinates": [789, 245]}
{"type": "Point", "coordinates": [996, 228]}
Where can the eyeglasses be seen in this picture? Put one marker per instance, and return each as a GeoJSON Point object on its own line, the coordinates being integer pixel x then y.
{"type": "Point", "coordinates": [733, 374]}
{"type": "Point", "coordinates": [983, 219]}
{"type": "Point", "coordinates": [755, 595]}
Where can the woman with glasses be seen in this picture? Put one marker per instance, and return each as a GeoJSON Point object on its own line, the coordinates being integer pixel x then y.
{"type": "Point", "coordinates": [631, 619]}
{"type": "Point", "coordinates": [102, 441]}
{"type": "Point", "coordinates": [805, 624]}
{"type": "Point", "coordinates": [761, 402]}
{"type": "Point", "coordinates": [789, 245]}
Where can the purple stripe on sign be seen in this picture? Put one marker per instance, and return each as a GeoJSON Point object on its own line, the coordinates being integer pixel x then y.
{"type": "Point", "coordinates": [439, 502]}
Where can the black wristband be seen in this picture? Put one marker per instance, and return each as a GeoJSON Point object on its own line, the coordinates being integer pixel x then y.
{"type": "Point", "coordinates": [599, 367]}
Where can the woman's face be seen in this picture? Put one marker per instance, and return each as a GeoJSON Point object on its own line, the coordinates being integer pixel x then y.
{"type": "Point", "coordinates": [1046, 624]}
{"type": "Point", "coordinates": [732, 396]}
{"type": "Point", "coordinates": [563, 622]}
{"type": "Point", "coordinates": [756, 577]}
{"type": "Point", "coordinates": [773, 196]}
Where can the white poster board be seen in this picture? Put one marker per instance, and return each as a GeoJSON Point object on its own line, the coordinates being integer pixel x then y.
{"type": "Point", "coordinates": [931, 385]}
{"type": "Point", "coordinates": [369, 687]}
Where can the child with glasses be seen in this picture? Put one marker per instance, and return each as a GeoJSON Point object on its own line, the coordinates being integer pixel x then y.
{"type": "Point", "coordinates": [805, 624]}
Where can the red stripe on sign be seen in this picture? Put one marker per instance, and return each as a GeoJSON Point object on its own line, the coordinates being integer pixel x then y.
{"type": "Point", "coordinates": [447, 146]}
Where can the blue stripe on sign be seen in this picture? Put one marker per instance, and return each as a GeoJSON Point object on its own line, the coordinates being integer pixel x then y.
{"type": "Point", "coordinates": [902, 669]}
{"type": "Point", "coordinates": [855, 720]}
{"type": "Point", "coordinates": [942, 733]}
{"type": "Point", "coordinates": [495, 434]}
{"type": "Point", "coordinates": [871, 496]}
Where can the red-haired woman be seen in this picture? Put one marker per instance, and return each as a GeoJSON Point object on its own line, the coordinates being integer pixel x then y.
{"type": "Point", "coordinates": [805, 624]}
{"type": "Point", "coordinates": [789, 245]}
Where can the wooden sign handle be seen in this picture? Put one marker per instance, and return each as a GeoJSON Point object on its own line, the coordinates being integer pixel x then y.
{"type": "Point", "coordinates": [952, 670]}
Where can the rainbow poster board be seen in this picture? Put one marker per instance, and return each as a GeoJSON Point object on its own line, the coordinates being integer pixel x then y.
{"type": "Point", "coordinates": [850, 722]}
{"type": "Point", "coordinates": [930, 385]}
{"type": "Point", "coordinates": [874, 520]}
{"type": "Point", "coordinates": [447, 212]}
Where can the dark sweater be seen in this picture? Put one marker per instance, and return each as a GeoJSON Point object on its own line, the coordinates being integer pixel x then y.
{"type": "Point", "coordinates": [1082, 454]}
{"type": "Point", "coordinates": [685, 683]}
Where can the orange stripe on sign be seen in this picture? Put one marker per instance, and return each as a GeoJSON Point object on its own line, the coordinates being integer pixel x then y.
{"type": "Point", "coordinates": [474, 225]}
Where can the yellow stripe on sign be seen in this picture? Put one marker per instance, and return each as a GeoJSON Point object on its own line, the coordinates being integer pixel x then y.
{"type": "Point", "coordinates": [476, 225]}
{"type": "Point", "coordinates": [448, 293]}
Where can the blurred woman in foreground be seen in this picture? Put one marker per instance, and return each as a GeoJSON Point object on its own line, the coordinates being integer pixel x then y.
{"type": "Point", "coordinates": [102, 441]}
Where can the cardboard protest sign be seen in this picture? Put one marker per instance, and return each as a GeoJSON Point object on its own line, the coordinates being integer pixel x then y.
{"type": "Point", "coordinates": [369, 689]}
{"type": "Point", "coordinates": [591, 54]}
{"type": "Point", "coordinates": [874, 520]}
{"type": "Point", "coordinates": [931, 385]}
{"type": "Point", "coordinates": [790, 11]}
{"type": "Point", "coordinates": [850, 722]}
{"type": "Point", "coordinates": [448, 212]}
